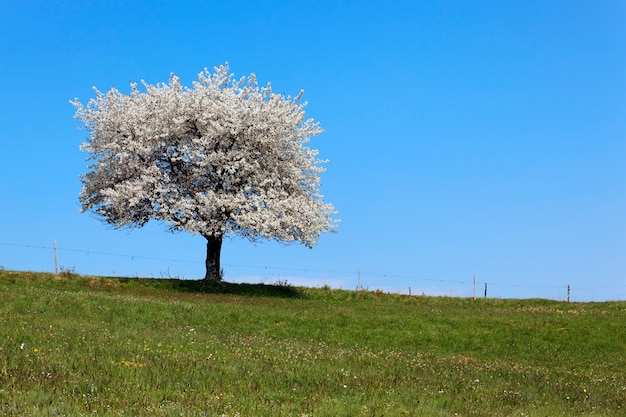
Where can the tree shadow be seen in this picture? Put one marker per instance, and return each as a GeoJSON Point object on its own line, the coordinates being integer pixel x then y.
{"type": "Point", "coordinates": [208, 287]}
{"type": "Point", "coordinates": [249, 290]}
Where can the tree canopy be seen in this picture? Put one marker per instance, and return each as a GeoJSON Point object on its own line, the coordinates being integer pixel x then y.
{"type": "Point", "coordinates": [223, 157]}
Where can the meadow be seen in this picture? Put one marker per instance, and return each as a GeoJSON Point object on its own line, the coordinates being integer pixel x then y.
{"type": "Point", "coordinates": [77, 345]}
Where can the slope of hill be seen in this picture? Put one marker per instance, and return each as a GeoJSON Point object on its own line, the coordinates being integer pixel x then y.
{"type": "Point", "coordinates": [76, 345]}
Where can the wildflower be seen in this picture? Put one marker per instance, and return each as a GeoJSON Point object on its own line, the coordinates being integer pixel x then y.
{"type": "Point", "coordinates": [35, 350]}
{"type": "Point", "coordinates": [132, 364]}
{"type": "Point", "coordinates": [22, 346]}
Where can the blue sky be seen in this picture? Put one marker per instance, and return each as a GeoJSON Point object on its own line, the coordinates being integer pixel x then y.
{"type": "Point", "coordinates": [465, 139]}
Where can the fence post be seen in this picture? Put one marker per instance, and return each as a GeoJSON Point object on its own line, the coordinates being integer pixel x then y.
{"type": "Point", "coordinates": [56, 261]}
{"type": "Point", "coordinates": [485, 290]}
{"type": "Point", "coordinates": [568, 291]}
{"type": "Point", "coordinates": [474, 287]}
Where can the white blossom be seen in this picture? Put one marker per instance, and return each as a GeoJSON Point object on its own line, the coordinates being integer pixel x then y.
{"type": "Point", "coordinates": [223, 157]}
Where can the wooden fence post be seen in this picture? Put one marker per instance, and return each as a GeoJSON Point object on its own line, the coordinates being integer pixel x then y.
{"type": "Point", "coordinates": [485, 290]}
{"type": "Point", "coordinates": [568, 291]}
{"type": "Point", "coordinates": [56, 261]}
{"type": "Point", "coordinates": [474, 287]}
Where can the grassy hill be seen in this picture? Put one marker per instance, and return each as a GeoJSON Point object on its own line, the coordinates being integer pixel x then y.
{"type": "Point", "coordinates": [74, 345]}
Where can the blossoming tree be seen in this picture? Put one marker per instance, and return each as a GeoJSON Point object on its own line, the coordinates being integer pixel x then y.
{"type": "Point", "coordinates": [225, 157]}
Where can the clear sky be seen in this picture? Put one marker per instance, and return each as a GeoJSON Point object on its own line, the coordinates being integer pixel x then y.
{"type": "Point", "coordinates": [466, 139]}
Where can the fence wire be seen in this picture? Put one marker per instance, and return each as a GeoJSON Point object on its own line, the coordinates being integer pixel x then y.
{"type": "Point", "coordinates": [365, 280]}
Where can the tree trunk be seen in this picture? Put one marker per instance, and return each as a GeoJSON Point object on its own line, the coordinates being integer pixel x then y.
{"type": "Point", "coordinates": [213, 249]}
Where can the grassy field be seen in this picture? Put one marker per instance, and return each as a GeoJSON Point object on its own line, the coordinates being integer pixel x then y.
{"type": "Point", "coordinates": [72, 345]}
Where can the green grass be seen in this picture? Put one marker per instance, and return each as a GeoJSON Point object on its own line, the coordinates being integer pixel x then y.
{"type": "Point", "coordinates": [72, 345]}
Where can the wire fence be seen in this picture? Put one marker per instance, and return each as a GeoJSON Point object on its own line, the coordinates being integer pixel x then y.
{"type": "Point", "coordinates": [354, 279]}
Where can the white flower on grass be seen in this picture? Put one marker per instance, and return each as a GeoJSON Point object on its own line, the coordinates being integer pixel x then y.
{"type": "Point", "coordinates": [22, 346]}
